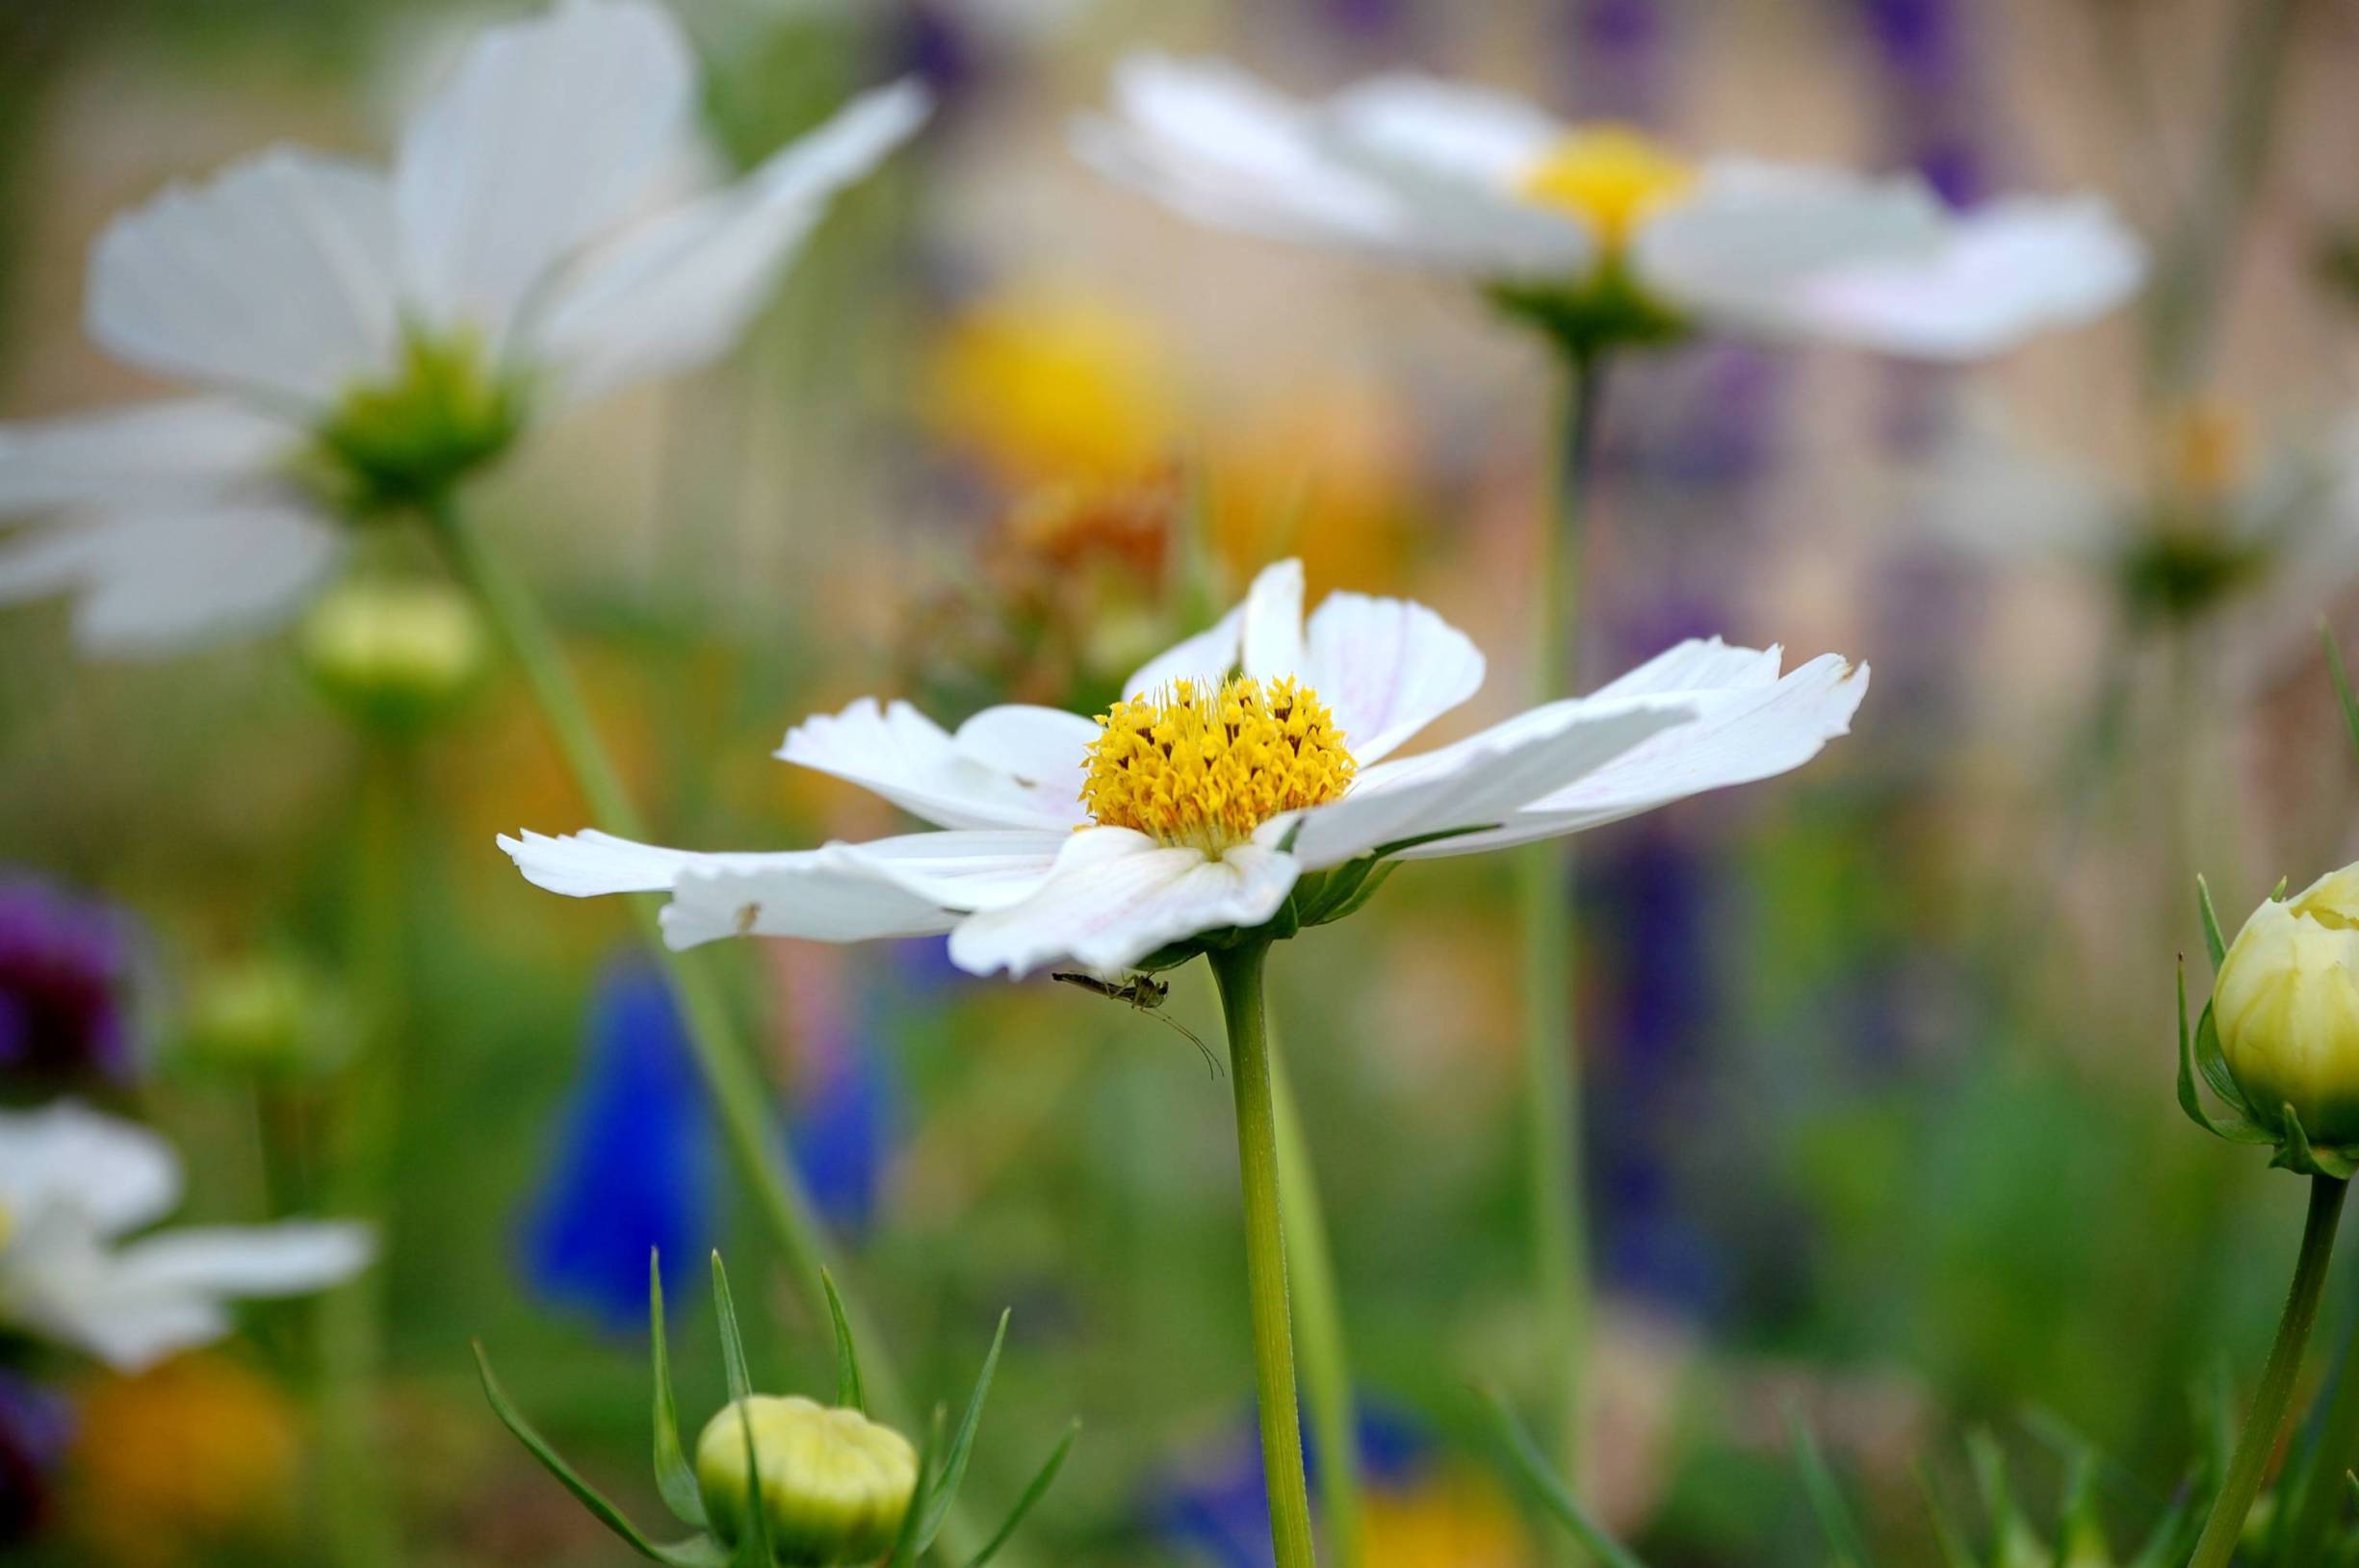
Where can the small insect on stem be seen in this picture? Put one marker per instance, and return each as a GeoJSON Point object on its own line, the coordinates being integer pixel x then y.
{"type": "Point", "coordinates": [1145, 993]}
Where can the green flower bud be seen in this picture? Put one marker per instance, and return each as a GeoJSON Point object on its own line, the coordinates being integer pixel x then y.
{"type": "Point", "coordinates": [835, 1484]}
{"type": "Point", "coordinates": [264, 1014]}
{"type": "Point", "coordinates": [394, 654]}
{"type": "Point", "coordinates": [2287, 1008]}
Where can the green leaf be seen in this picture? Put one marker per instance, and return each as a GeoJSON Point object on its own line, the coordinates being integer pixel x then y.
{"type": "Point", "coordinates": [699, 1551]}
{"type": "Point", "coordinates": [2342, 680]}
{"type": "Point", "coordinates": [1516, 1445]}
{"type": "Point", "coordinates": [2210, 917]}
{"type": "Point", "coordinates": [2167, 1545]}
{"type": "Point", "coordinates": [675, 1478]}
{"type": "Point", "coordinates": [954, 1464]}
{"type": "Point", "coordinates": [754, 1548]}
{"type": "Point", "coordinates": [1031, 1494]}
{"type": "Point", "coordinates": [1826, 1498]}
{"type": "Point", "coordinates": [847, 1355]}
{"type": "Point", "coordinates": [905, 1543]}
{"type": "Point", "coordinates": [1952, 1541]}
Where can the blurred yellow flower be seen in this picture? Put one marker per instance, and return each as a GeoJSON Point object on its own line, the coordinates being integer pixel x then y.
{"type": "Point", "coordinates": [1047, 388]}
{"type": "Point", "coordinates": [180, 1463]}
{"type": "Point", "coordinates": [1451, 1520]}
{"type": "Point", "coordinates": [1326, 473]}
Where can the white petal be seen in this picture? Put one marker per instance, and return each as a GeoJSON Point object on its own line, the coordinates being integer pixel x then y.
{"type": "Point", "coordinates": [274, 280]}
{"type": "Point", "coordinates": [1045, 750]}
{"type": "Point", "coordinates": [116, 1174]}
{"type": "Point", "coordinates": [1743, 735]}
{"type": "Point", "coordinates": [1262, 636]}
{"type": "Point", "coordinates": [1387, 668]}
{"type": "Point", "coordinates": [1212, 142]}
{"type": "Point", "coordinates": [1115, 896]}
{"type": "Point", "coordinates": [144, 452]}
{"type": "Point", "coordinates": [291, 1258]}
{"type": "Point", "coordinates": [678, 291]}
{"type": "Point", "coordinates": [161, 580]}
{"type": "Point", "coordinates": [1739, 248]}
{"type": "Point", "coordinates": [1208, 655]}
{"type": "Point", "coordinates": [129, 1331]}
{"type": "Point", "coordinates": [547, 134]}
{"type": "Point", "coordinates": [1484, 780]}
{"type": "Point", "coordinates": [1450, 128]}
{"type": "Point", "coordinates": [2003, 274]}
{"type": "Point", "coordinates": [909, 759]}
{"type": "Point", "coordinates": [1698, 664]}
{"type": "Point", "coordinates": [1271, 632]}
{"type": "Point", "coordinates": [915, 885]}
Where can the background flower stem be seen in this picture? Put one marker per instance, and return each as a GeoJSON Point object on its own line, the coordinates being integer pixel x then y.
{"type": "Point", "coordinates": [363, 1531]}
{"type": "Point", "coordinates": [1239, 972]}
{"type": "Point", "coordinates": [1552, 1089]}
{"type": "Point", "coordinates": [2258, 1441]}
{"type": "Point", "coordinates": [739, 1095]}
{"type": "Point", "coordinates": [1327, 1368]}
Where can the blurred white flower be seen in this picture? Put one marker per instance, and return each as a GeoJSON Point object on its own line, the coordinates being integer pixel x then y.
{"type": "Point", "coordinates": [73, 1184]}
{"type": "Point", "coordinates": [1202, 802]}
{"type": "Point", "coordinates": [384, 333]}
{"type": "Point", "coordinates": [1600, 230]}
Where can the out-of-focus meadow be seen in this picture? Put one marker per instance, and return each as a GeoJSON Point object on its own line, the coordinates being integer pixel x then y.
{"type": "Point", "coordinates": [1876, 1105]}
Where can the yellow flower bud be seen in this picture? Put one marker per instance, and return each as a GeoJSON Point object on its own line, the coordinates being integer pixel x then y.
{"type": "Point", "coordinates": [2287, 1008]}
{"type": "Point", "coordinates": [833, 1484]}
{"type": "Point", "coordinates": [394, 654]}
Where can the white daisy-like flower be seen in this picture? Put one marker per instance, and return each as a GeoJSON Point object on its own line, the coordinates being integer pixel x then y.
{"type": "Point", "coordinates": [75, 1184]}
{"type": "Point", "coordinates": [363, 337]}
{"type": "Point", "coordinates": [1600, 233]}
{"type": "Point", "coordinates": [1246, 780]}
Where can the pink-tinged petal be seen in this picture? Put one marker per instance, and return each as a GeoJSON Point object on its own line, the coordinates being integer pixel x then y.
{"type": "Point", "coordinates": [1387, 668]}
{"type": "Point", "coordinates": [901, 754]}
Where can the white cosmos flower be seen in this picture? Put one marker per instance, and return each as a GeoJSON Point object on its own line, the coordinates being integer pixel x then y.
{"type": "Point", "coordinates": [1483, 185]}
{"type": "Point", "coordinates": [1202, 802]}
{"type": "Point", "coordinates": [528, 249]}
{"type": "Point", "coordinates": [74, 1184]}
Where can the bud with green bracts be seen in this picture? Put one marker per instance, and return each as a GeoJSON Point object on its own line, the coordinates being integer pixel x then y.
{"type": "Point", "coordinates": [2278, 1042]}
{"type": "Point", "coordinates": [784, 1481]}
{"type": "Point", "coordinates": [394, 654]}
{"type": "Point", "coordinates": [834, 1486]}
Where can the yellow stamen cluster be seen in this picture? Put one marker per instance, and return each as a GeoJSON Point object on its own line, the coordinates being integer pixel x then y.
{"type": "Point", "coordinates": [1205, 765]}
{"type": "Point", "coordinates": [1610, 175]}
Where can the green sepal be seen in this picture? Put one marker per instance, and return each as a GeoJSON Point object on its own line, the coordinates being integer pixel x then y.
{"type": "Point", "coordinates": [1041, 1482]}
{"type": "Point", "coordinates": [2341, 678]}
{"type": "Point", "coordinates": [697, 1552]}
{"type": "Point", "coordinates": [675, 1477]}
{"type": "Point", "coordinates": [2235, 1127]}
{"type": "Point", "coordinates": [2213, 1063]}
{"type": "Point", "coordinates": [905, 1544]}
{"type": "Point", "coordinates": [848, 1391]}
{"type": "Point", "coordinates": [962, 1445]}
{"type": "Point", "coordinates": [1825, 1497]}
{"type": "Point", "coordinates": [2212, 942]}
{"type": "Point", "coordinates": [1523, 1455]}
{"type": "Point", "coordinates": [1320, 895]}
{"type": "Point", "coordinates": [754, 1548]}
{"type": "Point", "coordinates": [2297, 1153]}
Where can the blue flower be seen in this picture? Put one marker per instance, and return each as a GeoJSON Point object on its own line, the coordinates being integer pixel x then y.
{"type": "Point", "coordinates": [634, 1166]}
{"type": "Point", "coordinates": [1216, 1505]}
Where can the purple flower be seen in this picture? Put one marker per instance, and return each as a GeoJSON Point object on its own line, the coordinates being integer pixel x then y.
{"type": "Point", "coordinates": [34, 1426]}
{"type": "Point", "coordinates": [66, 967]}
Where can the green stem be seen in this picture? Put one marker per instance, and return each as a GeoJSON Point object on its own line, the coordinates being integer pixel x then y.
{"type": "Point", "coordinates": [2310, 1507]}
{"type": "Point", "coordinates": [1327, 1370]}
{"type": "Point", "coordinates": [364, 1532]}
{"type": "Point", "coordinates": [1238, 972]}
{"type": "Point", "coordinates": [737, 1089]}
{"type": "Point", "coordinates": [2263, 1422]}
{"type": "Point", "coordinates": [1552, 1147]}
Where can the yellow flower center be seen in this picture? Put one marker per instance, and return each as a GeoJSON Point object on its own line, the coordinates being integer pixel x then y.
{"type": "Point", "coordinates": [1205, 765]}
{"type": "Point", "coordinates": [1610, 175]}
